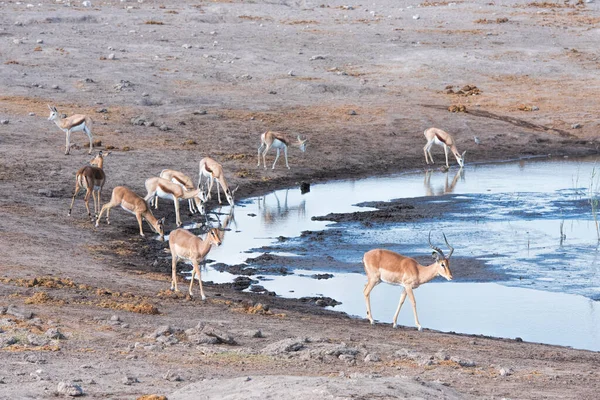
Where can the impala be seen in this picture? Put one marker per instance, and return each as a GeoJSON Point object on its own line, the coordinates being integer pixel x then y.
{"type": "Point", "coordinates": [214, 171]}
{"type": "Point", "coordinates": [187, 246]}
{"type": "Point", "coordinates": [70, 124]}
{"type": "Point", "coordinates": [160, 187]}
{"type": "Point", "coordinates": [91, 177]}
{"type": "Point", "coordinates": [277, 140]}
{"type": "Point", "coordinates": [131, 202]}
{"type": "Point", "coordinates": [181, 179]}
{"type": "Point", "coordinates": [438, 136]}
{"type": "Point", "coordinates": [389, 267]}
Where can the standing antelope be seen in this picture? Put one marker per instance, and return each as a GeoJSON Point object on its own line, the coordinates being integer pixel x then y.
{"type": "Point", "coordinates": [160, 187]}
{"type": "Point", "coordinates": [181, 179]}
{"type": "Point", "coordinates": [214, 171]}
{"type": "Point", "coordinates": [70, 124]}
{"type": "Point", "coordinates": [91, 177]}
{"type": "Point", "coordinates": [389, 267]}
{"type": "Point", "coordinates": [131, 202]}
{"type": "Point", "coordinates": [187, 246]}
{"type": "Point", "coordinates": [438, 136]}
{"type": "Point", "coordinates": [277, 140]}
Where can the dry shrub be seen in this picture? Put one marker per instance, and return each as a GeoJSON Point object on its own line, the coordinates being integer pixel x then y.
{"type": "Point", "coordinates": [455, 108]}
{"type": "Point", "coordinates": [43, 298]}
{"type": "Point", "coordinates": [140, 308]}
{"type": "Point", "coordinates": [258, 308]}
{"type": "Point", "coordinates": [300, 22]}
{"type": "Point", "coordinates": [37, 48]}
{"type": "Point", "coordinates": [171, 12]}
{"type": "Point", "coordinates": [97, 143]}
{"type": "Point", "coordinates": [109, 147]}
{"type": "Point", "coordinates": [49, 282]}
{"type": "Point", "coordinates": [153, 22]}
{"type": "Point", "coordinates": [244, 173]}
{"type": "Point", "coordinates": [190, 142]}
{"type": "Point", "coordinates": [255, 18]}
{"type": "Point", "coordinates": [171, 294]}
{"type": "Point", "coordinates": [468, 90]}
{"type": "Point", "coordinates": [126, 148]}
{"type": "Point", "coordinates": [152, 397]}
{"type": "Point", "coordinates": [525, 107]}
{"type": "Point", "coordinates": [238, 156]}
{"type": "Point", "coordinates": [11, 62]}
{"type": "Point", "coordinates": [489, 21]}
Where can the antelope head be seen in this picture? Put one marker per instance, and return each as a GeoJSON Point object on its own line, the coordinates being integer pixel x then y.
{"type": "Point", "coordinates": [460, 158]}
{"type": "Point", "coordinates": [98, 161]}
{"type": "Point", "coordinates": [53, 113]}
{"type": "Point", "coordinates": [159, 228]}
{"type": "Point", "coordinates": [442, 261]}
{"type": "Point", "coordinates": [302, 144]}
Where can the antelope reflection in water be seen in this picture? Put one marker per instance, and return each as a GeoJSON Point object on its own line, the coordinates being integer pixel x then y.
{"type": "Point", "coordinates": [447, 188]}
{"type": "Point", "coordinates": [272, 211]}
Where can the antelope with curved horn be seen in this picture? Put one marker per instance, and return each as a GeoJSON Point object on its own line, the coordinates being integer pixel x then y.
{"type": "Point", "coordinates": [159, 187]}
{"type": "Point", "coordinates": [214, 171]}
{"type": "Point", "coordinates": [187, 246]}
{"type": "Point", "coordinates": [438, 136]}
{"type": "Point", "coordinates": [92, 178]}
{"type": "Point", "coordinates": [390, 267]}
{"type": "Point", "coordinates": [74, 123]}
{"type": "Point", "coordinates": [183, 180]}
{"type": "Point", "coordinates": [277, 140]}
{"type": "Point", "coordinates": [134, 204]}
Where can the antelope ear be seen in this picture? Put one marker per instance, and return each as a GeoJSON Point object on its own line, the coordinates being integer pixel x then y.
{"type": "Point", "coordinates": [49, 107]}
{"type": "Point", "coordinates": [435, 255]}
{"type": "Point", "coordinates": [162, 220]}
{"type": "Point", "coordinates": [463, 154]}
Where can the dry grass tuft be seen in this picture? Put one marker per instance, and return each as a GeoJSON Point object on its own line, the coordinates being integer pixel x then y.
{"type": "Point", "coordinates": [152, 397]}
{"type": "Point", "coordinates": [140, 308]}
{"type": "Point", "coordinates": [455, 108]}
{"type": "Point", "coordinates": [43, 298]}
{"type": "Point", "coordinates": [153, 22]}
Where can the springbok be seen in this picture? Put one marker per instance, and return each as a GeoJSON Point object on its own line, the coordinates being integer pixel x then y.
{"type": "Point", "coordinates": [134, 204]}
{"type": "Point", "coordinates": [187, 246]}
{"type": "Point", "coordinates": [74, 123]}
{"type": "Point", "coordinates": [181, 179]}
{"type": "Point", "coordinates": [277, 140]}
{"type": "Point", "coordinates": [390, 267]}
{"type": "Point", "coordinates": [438, 136]}
{"type": "Point", "coordinates": [92, 178]}
{"type": "Point", "coordinates": [160, 187]}
{"type": "Point", "coordinates": [214, 171]}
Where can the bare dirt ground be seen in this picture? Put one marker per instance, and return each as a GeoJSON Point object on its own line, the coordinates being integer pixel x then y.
{"type": "Point", "coordinates": [88, 306]}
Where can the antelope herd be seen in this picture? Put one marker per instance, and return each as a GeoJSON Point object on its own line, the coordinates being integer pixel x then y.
{"type": "Point", "coordinates": [380, 265]}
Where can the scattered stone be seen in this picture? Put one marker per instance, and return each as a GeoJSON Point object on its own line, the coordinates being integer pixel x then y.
{"type": "Point", "coordinates": [7, 341]}
{"type": "Point", "coordinates": [372, 358]}
{"type": "Point", "coordinates": [342, 349]}
{"type": "Point", "coordinates": [32, 114]}
{"type": "Point", "coordinates": [54, 333]}
{"type": "Point", "coordinates": [416, 16]}
{"type": "Point", "coordinates": [45, 192]}
{"type": "Point", "coordinates": [463, 363]}
{"type": "Point", "coordinates": [124, 84]}
{"type": "Point", "coordinates": [313, 58]}
{"type": "Point", "coordinates": [101, 110]}
{"type": "Point", "coordinates": [86, 3]}
{"type": "Point", "coordinates": [37, 340]}
{"type": "Point", "coordinates": [39, 41]}
{"type": "Point", "coordinates": [161, 331]}
{"type": "Point", "coordinates": [351, 112]}
{"type": "Point", "coordinates": [320, 301]}
{"type": "Point", "coordinates": [254, 334]}
{"type": "Point", "coordinates": [55, 87]}
{"type": "Point", "coordinates": [291, 73]}
{"type": "Point", "coordinates": [172, 377]}
{"type": "Point", "coordinates": [200, 112]}
{"type": "Point", "coordinates": [222, 337]}
{"type": "Point", "coordinates": [129, 380]}
{"type": "Point", "coordinates": [243, 282]}
{"type": "Point", "coordinates": [406, 354]}
{"type": "Point", "coordinates": [14, 311]}
{"type": "Point", "coordinates": [69, 389]}
{"type": "Point", "coordinates": [4, 122]}
{"type": "Point", "coordinates": [505, 371]}
{"type": "Point", "coordinates": [141, 120]}
{"type": "Point", "coordinates": [187, 46]}
{"type": "Point", "coordinates": [167, 340]}
{"type": "Point", "coordinates": [304, 187]}
{"type": "Point", "coordinates": [164, 128]}
{"type": "Point", "coordinates": [284, 346]}
{"type": "Point", "coordinates": [111, 56]}
{"type": "Point", "coordinates": [576, 126]}
{"type": "Point", "coordinates": [347, 357]}
{"type": "Point", "coordinates": [322, 276]}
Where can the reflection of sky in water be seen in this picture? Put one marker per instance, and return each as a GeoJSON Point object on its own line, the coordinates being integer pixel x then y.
{"type": "Point", "coordinates": [513, 218]}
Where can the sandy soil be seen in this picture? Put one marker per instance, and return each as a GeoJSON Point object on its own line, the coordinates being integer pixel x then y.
{"type": "Point", "coordinates": [90, 306]}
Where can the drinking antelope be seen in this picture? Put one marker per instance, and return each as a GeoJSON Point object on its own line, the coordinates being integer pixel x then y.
{"type": "Point", "coordinates": [92, 178]}
{"type": "Point", "coordinates": [438, 136]}
{"type": "Point", "coordinates": [134, 204]}
{"type": "Point", "coordinates": [181, 179]}
{"type": "Point", "coordinates": [277, 140]}
{"type": "Point", "coordinates": [214, 171]}
{"type": "Point", "coordinates": [70, 124]}
{"type": "Point", "coordinates": [187, 246]}
{"type": "Point", "coordinates": [159, 187]}
{"type": "Point", "coordinates": [389, 267]}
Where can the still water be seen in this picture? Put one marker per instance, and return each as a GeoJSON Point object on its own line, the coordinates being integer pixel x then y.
{"type": "Point", "coordinates": [532, 220]}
